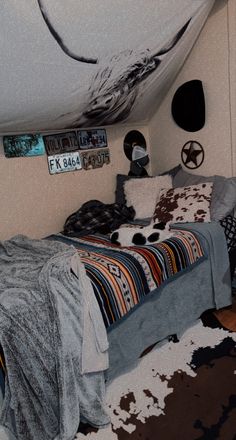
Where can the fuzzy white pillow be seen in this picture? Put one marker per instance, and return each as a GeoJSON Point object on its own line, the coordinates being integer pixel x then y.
{"type": "Point", "coordinates": [143, 194]}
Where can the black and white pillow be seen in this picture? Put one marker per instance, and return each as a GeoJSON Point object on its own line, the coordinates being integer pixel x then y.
{"type": "Point", "coordinates": [229, 225]}
{"type": "Point", "coordinates": [141, 235]}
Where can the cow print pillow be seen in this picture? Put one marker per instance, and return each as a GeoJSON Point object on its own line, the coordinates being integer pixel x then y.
{"type": "Point", "coordinates": [186, 204]}
{"type": "Point", "coordinates": [140, 235]}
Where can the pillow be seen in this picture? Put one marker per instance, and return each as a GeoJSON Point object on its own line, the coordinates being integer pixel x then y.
{"type": "Point", "coordinates": [140, 236]}
{"type": "Point", "coordinates": [142, 194]}
{"type": "Point", "coordinates": [185, 204]}
{"type": "Point", "coordinates": [173, 171]}
{"type": "Point", "coordinates": [122, 178]}
{"type": "Point", "coordinates": [229, 226]}
{"type": "Point", "coordinates": [223, 198]}
{"type": "Point", "coordinates": [119, 193]}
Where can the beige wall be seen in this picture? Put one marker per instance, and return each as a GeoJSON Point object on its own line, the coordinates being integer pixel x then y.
{"type": "Point", "coordinates": [209, 62]}
{"type": "Point", "coordinates": [35, 203]}
{"type": "Point", "coordinates": [232, 76]}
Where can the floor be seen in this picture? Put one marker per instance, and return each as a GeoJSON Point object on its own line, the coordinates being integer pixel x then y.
{"type": "Point", "coordinates": [227, 315]}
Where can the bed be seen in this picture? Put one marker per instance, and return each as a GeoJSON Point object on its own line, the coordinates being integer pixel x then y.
{"type": "Point", "coordinates": [76, 311]}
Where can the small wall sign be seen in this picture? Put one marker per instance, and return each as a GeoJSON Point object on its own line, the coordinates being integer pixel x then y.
{"type": "Point", "coordinates": [92, 139]}
{"type": "Point", "coordinates": [192, 154]}
{"type": "Point", "coordinates": [61, 163]}
{"type": "Point", "coordinates": [95, 159]}
{"type": "Point", "coordinates": [23, 145]}
{"type": "Point", "coordinates": [61, 143]}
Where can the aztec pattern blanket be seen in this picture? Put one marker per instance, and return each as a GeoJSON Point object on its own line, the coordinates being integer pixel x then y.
{"type": "Point", "coordinates": [123, 277]}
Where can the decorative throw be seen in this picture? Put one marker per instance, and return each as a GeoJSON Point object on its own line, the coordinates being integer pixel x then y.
{"type": "Point", "coordinates": [54, 341]}
{"type": "Point", "coordinates": [185, 204]}
{"type": "Point", "coordinates": [141, 235]}
{"type": "Point", "coordinates": [143, 194]}
{"type": "Point", "coordinates": [95, 216]}
{"type": "Point", "coordinates": [124, 277]}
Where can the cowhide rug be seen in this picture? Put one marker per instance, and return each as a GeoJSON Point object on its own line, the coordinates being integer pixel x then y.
{"type": "Point", "coordinates": [182, 390]}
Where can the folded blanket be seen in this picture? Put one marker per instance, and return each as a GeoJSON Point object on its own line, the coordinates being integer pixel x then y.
{"type": "Point", "coordinates": [48, 319]}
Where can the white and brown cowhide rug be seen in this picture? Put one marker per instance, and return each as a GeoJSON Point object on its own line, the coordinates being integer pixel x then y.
{"type": "Point", "coordinates": [184, 390]}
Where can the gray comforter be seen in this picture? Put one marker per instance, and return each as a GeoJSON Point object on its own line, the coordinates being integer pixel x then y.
{"type": "Point", "coordinates": [54, 341]}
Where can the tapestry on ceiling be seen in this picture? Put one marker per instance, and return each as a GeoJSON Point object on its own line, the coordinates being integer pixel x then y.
{"type": "Point", "coordinates": [70, 63]}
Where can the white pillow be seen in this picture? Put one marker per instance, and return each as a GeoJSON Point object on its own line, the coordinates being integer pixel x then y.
{"type": "Point", "coordinates": [143, 194]}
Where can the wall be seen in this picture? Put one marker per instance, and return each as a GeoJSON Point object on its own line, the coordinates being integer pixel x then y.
{"type": "Point", "coordinates": [35, 203]}
{"type": "Point", "coordinates": [232, 76]}
{"type": "Point", "coordinates": [209, 61]}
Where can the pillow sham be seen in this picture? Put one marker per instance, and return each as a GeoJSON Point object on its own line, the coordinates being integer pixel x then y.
{"type": "Point", "coordinates": [223, 199]}
{"type": "Point", "coordinates": [142, 194]}
{"type": "Point", "coordinates": [122, 178]}
{"type": "Point", "coordinates": [184, 204]}
{"type": "Point", "coordinates": [140, 236]}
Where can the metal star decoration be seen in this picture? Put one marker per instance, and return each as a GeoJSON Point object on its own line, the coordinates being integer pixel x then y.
{"type": "Point", "coordinates": [192, 153]}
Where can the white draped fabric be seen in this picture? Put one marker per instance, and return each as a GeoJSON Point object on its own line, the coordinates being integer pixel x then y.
{"type": "Point", "coordinates": [81, 63]}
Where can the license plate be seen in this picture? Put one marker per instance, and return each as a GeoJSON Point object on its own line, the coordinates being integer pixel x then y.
{"type": "Point", "coordinates": [61, 163]}
{"type": "Point", "coordinates": [95, 158]}
{"type": "Point", "coordinates": [92, 139]}
{"type": "Point", "coordinates": [23, 145]}
{"type": "Point", "coordinates": [61, 143]}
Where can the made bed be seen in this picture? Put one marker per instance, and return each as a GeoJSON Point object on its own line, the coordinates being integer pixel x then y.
{"type": "Point", "coordinates": [76, 311]}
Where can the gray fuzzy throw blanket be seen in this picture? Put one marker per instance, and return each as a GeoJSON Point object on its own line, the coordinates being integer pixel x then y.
{"type": "Point", "coordinates": [54, 341]}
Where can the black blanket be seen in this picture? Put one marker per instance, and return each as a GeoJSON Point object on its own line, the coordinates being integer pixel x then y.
{"type": "Point", "coordinates": [95, 216]}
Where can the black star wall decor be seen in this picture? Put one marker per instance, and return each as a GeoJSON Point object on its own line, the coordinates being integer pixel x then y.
{"type": "Point", "coordinates": [192, 154]}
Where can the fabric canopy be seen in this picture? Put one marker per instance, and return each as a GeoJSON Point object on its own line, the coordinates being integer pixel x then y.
{"type": "Point", "coordinates": [70, 63]}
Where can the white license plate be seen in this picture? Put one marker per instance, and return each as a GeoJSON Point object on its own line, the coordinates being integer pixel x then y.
{"type": "Point", "coordinates": [60, 163]}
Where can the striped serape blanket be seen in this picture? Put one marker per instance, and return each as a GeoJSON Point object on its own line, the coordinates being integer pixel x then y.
{"type": "Point", "coordinates": [123, 277]}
